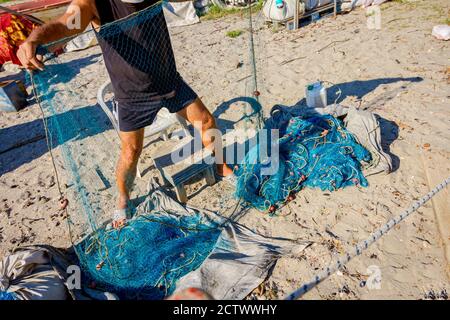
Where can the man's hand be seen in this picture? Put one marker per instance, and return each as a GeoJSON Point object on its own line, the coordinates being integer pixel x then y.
{"type": "Point", "coordinates": [27, 56]}
{"type": "Point", "coordinates": [56, 30]}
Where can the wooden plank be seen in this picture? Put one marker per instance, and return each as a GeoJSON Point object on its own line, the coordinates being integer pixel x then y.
{"type": "Point", "coordinates": [296, 14]}
{"type": "Point", "coordinates": [335, 9]}
{"type": "Point", "coordinates": [317, 10]}
{"type": "Point", "coordinates": [332, 7]}
{"type": "Point", "coordinates": [36, 5]}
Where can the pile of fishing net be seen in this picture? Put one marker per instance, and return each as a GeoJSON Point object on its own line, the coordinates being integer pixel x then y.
{"type": "Point", "coordinates": [169, 246]}
{"type": "Point", "coordinates": [315, 151]}
{"type": "Point", "coordinates": [144, 259]}
{"type": "Point", "coordinates": [165, 245]}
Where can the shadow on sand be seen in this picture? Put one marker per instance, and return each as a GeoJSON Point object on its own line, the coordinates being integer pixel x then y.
{"type": "Point", "coordinates": [90, 120]}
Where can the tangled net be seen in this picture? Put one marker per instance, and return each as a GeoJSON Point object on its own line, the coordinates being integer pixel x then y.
{"type": "Point", "coordinates": [315, 152]}
{"type": "Point", "coordinates": [144, 259]}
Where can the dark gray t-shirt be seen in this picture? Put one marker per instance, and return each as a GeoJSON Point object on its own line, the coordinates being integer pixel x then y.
{"type": "Point", "coordinates": [137, 50]}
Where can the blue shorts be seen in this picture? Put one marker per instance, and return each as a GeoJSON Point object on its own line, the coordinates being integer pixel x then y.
{"type": "Point", "coordinates": [137, 115]}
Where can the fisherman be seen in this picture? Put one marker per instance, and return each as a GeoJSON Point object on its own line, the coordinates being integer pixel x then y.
{"type": "Point", "coordinates": [140, 90]}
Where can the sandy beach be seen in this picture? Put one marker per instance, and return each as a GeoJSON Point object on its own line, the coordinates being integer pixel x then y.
{"type": "Point", "coordinates": [399, 72]}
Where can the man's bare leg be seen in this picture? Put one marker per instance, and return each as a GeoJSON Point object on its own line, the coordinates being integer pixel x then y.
{"type": "Point", "coordinates": [130, 150]}
{"type": "Point", "coordinates": [202, 120]}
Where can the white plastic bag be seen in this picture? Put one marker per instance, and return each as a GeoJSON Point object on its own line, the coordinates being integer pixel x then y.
{"type": "Point", "coordinates": [179, 14]}
{"type": "Point", "coordinates": [441, 32]}
{"type": "Point", "coordinates": [85, 40]}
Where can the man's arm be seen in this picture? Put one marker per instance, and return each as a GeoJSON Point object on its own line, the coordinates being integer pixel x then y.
{"type": "Point", "coordinates": [75, 20]}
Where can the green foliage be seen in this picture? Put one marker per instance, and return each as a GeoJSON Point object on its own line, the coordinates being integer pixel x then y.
{"type": "Point", "coordinates": [234, 33]}
{"type": "Point", "coordinates": [216, 12]}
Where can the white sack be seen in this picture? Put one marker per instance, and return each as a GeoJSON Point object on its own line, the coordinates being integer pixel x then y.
{"type": "Point", "coordinates": [441, 32]}
{"type": "Point", "coordinates": [180, 13]}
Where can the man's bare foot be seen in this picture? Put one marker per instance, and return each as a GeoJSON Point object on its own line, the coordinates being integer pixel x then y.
{"type": "Point", "coordinates": [224, 170]}
{"type": "Point", "coordinates": [119, 218]}
{"type": "Point", "coordinates": [120, 215]}
{"type": "Point", "coordinates": [119, 223]}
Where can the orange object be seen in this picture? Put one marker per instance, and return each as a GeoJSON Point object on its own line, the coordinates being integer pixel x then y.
{"type": "Point", "coordinates": [63, 204]}
{"type": "Point", "coordinates": [13, 31]}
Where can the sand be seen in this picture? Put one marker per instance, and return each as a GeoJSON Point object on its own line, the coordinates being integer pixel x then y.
{"type": "Point", "coordinates": [399, 72]}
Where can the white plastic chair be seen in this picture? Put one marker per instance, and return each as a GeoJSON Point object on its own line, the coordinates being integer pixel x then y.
{"type": "Point", "coordinates": [163, 121]}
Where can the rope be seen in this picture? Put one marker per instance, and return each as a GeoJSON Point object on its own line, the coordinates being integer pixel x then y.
{"type": "Point", "coordinates": [363, 245]}
{"type": "Point", "coordinates": [63, 201]}
{"type": "Point", "coordinates": [255, 91]}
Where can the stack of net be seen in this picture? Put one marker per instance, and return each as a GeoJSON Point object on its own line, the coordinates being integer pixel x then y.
{"type": "Point", "coordinates": [144, 259]}
{"type": "Point", "coordinates": [315, 152]}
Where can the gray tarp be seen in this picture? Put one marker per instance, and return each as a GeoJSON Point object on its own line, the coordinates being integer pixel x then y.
{"type": "Point", "coordinates": [241, 259]}
{"type": "Point", "coordinates": [29, 275]}
{"type": "Point", "coordinates": [40, 273]}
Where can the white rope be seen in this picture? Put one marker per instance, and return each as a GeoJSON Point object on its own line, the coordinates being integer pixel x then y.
{"type": "Point", "coordinates": [360, 247]}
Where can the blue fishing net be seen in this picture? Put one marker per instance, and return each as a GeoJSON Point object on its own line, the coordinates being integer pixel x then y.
{"type": "Point", "coordinates": [7, 296]}
{"type": "Point", "coordinates": [315, 152]}
{"type": "Point", "coordinates": [144, 259]}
